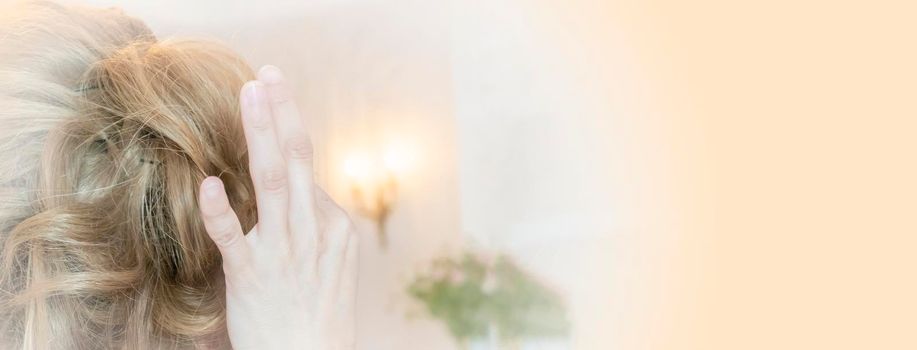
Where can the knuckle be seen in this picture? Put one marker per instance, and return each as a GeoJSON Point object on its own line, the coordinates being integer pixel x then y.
{"type": "Point", "coordinates": [274, 179]}
{"type": "Point", "coordinates": [281, 97]}
{"type": "Point", "coordinates": [224, 235]}
{"type": "Point", "coordinates": [261, 123]}
{"type": "Point", "coordinates": [211, 214]}
{"type": "Point", "coordinates": [300, 149]}
{"type": "Point", "coordinates": [219, 224]}
{"type": "Point", "coordinates": [279, 93]}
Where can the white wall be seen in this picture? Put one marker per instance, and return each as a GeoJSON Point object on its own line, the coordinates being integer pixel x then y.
{"type": "Point", "coordinates": [546, 106]}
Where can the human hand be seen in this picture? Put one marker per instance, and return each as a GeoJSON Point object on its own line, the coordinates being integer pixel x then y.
{"type": "Point", "coordinates": [291, 281]}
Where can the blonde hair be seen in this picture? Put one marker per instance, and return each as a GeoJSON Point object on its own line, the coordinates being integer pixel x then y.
{"type": "Point", "coordinates": [105, 135]}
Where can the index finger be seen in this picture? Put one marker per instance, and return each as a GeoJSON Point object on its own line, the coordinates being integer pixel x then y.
{"type": "Point", "coordinates": [267, 166]}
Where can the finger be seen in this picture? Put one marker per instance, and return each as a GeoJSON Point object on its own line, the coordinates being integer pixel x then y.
{"type": "Point", "coordinates": [268, 169]}
{"type": "Point", "coordinates": [352, 258]}
{"type": "Point", "coordinates": [222, 224]}
{"type": "Point", "coordinates": [349, 275]}
{"type": "Point", "coordinates": [338, 226]}
{"type": "Point", "coordinates": [298, 154]}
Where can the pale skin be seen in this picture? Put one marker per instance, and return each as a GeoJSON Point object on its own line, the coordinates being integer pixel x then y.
{"type": "Point", "coordinates": [291, 281]}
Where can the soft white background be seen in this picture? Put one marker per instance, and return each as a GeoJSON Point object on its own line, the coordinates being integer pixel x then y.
{"type": "Point", "coordinates": [518, 113]}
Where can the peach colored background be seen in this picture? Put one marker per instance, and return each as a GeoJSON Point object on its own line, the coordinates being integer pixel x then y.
{"type": "Point", "coordinates": [791, 126]}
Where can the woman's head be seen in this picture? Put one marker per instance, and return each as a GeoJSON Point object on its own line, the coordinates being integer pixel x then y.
{"type": "Point", "coordinates": [105, 135]}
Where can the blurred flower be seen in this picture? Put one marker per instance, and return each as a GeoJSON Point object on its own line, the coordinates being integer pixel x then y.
{"type": "Point", "coordinates": [481, 294]}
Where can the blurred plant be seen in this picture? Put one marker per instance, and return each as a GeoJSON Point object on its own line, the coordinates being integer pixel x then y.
{"type": "Point", "coordinates": [477, 295]}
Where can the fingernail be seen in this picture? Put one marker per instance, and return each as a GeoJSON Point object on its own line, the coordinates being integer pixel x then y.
{"type": "Point", "coordinates": [270, 75]}
{"type": "Point", "coordinates": [212, 187]}
{"type": "Point", "coordinates": [254, 93]}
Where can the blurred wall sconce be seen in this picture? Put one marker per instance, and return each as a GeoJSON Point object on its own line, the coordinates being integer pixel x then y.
{"type": "Point", "coordinates": [373, 180]}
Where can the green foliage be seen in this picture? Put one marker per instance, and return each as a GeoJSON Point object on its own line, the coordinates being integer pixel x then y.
{"type": "Point", "coordinates": [472, 293]}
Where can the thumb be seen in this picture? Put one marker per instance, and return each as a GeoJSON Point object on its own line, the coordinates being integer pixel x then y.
{"type": "Point", "coordinates": [222, 224]}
